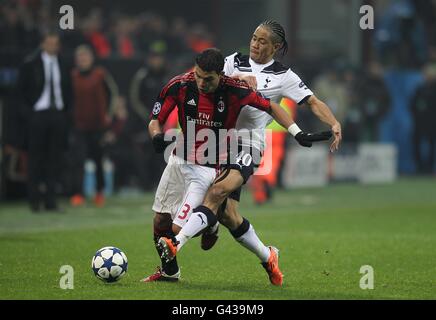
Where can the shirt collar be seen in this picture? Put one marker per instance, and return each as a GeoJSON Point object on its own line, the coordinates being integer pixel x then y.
{"type": "Point", "coordinates": [261, 66]}
{"type": "Point", "coordinates": [47, 57]}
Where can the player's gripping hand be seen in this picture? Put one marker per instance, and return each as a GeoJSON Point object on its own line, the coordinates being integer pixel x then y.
{"type": "Point", "coordinates": [248, 79]}
{"type": "Point", "coordinates": [159, 143]}
{"type": "Point", "coordinates": [306, 139]}
{"type": "Point", "coordinates": [337, 134]}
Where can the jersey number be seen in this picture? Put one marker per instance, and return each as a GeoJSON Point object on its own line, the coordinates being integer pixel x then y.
{"type": "Point", "coordinates": [244, 158]}
{"type": "Point", "coordinates": [186, 207]}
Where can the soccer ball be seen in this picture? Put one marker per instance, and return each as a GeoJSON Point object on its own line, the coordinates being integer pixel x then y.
{"type": "Point", "coordinates": [109, 264]}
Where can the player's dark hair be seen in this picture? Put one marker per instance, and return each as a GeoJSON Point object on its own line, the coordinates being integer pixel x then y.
{"type": "Point", "coordinates": [277, 34]}
{"type": "Point", "coordinates": [210, 60]}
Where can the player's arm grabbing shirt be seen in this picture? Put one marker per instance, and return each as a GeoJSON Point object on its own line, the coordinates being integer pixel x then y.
{"type": "Point", "coordinates": [274, 81]}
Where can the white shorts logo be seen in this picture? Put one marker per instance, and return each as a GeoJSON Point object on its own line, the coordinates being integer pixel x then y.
{"type": "Point", "coordinates": [156, 108]}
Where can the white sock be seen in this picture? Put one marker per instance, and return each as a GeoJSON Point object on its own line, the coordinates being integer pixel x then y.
{"type": "Point", "coordinates": [196, 223]}
{"type": "Point", "coordinates": [251, 241]}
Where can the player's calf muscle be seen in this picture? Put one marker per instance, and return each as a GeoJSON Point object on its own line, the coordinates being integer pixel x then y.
{"type": "Point", "coordinates": [230, 218]}
{"type": "Point", "coordinates": [162, 221]}
{"type": "Point", "coordinates": [230, 223]}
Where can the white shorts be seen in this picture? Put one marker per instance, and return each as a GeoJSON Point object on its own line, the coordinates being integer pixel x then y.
{"type": "Point", "coordinates": [182, 188]}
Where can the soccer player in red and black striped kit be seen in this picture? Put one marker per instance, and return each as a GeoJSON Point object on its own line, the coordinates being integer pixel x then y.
{"type": "Point", "coordinates": [206, 99]}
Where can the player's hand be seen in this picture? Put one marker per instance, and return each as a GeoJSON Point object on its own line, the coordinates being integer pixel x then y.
{"type": "Point", "coordinates": [306, 139]}
{"type": "Point", "coordinates": [250, 81]}
{"type": "Point", "coordinates": [337, 133]}
{"type": "Point", "coordinates": [159, 143]}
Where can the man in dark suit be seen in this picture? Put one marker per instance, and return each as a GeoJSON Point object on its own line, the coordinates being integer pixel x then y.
{"type": "Point", "coordinates": [44, 86]}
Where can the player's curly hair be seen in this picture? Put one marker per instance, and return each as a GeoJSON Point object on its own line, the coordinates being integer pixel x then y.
{"type": "Point", "coordinates": [210, 60]}
{"type": "Point", "coordinates": [277, 34]}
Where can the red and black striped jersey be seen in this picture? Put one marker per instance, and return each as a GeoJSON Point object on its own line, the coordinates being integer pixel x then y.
{"type": "Point", "coordinates": [215, 111]}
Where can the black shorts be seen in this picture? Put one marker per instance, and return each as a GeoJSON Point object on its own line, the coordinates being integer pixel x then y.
{"type": "Point", "coordinates": [246, 161]}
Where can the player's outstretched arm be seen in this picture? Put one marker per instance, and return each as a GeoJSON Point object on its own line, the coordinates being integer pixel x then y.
{"type": "Point", "coordinates": [304, 139]}
{"type": "Point", "coordinates": [323, 112]}
{"type": "Point", "coordinates": [281, 116]}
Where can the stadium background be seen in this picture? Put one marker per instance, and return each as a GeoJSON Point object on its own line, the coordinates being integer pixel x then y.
{"type": "Point", "coordinates": [370, 79]}
{"type": "Point", "coordinates": [327, 48]}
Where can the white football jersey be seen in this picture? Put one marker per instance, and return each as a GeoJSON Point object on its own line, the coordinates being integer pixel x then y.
{"type": "Point", "coordinates": [274, 81]}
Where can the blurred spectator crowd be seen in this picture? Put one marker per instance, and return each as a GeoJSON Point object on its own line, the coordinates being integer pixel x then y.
{"type": "Point", "coordinates": [110, 33]}
{"type": "Point", "coordinates": [389, 98]}
{"type": "Point", "coordinates": [132, 55]}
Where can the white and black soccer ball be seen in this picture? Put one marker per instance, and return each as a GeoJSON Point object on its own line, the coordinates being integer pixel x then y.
{"type": "Point", "coordinates": [109, 264]}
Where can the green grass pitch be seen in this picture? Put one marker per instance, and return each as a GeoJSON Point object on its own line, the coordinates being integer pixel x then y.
{"type": "Point", "coordinates": [324, 235]}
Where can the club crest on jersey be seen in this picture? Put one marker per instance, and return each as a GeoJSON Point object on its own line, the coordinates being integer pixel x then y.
{"type": "Point", "coordinates": [221, 105]}
{"type": "Point", "coordinates": [156, 108]}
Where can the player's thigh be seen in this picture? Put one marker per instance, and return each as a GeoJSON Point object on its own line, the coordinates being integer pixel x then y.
{"type": "Point", "coordinates": [233, 176]}
{"type": "Point", "coordinates": [228, 181]}
{"type": "Point", "coordinates": [171, 189]}
{"type": "Point", "coordinates": [197, 181]}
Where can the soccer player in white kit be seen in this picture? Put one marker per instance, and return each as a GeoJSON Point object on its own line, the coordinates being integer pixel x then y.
{"type": "Point", "coordinates": [274, 81]}
{"type": "Point", "coordinates": [210, 100]}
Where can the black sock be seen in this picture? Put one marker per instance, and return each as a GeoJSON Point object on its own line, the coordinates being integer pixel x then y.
{"type": "Point", "coordinates": [243, 228]}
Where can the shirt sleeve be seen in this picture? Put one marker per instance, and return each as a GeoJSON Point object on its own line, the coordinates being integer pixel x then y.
{"type": "Point", "coordinates": [229, 66]}
{"type": "Point", "coordinates": [165, 102]}
{"type": "Point", "coordinates": [294, 88]}
{"type": "Point", "coordinates": [256, 100]}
